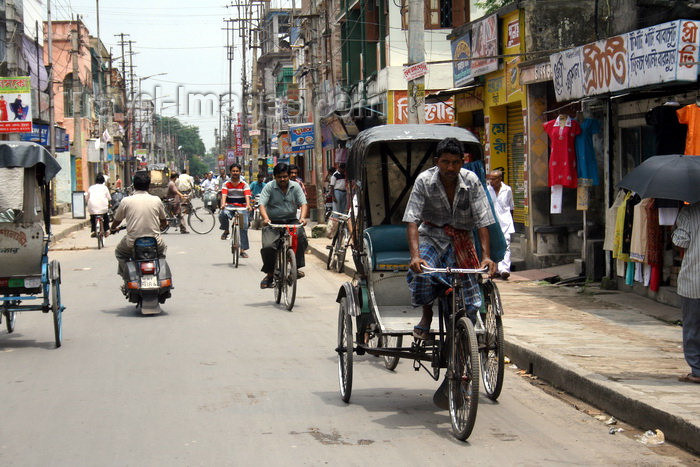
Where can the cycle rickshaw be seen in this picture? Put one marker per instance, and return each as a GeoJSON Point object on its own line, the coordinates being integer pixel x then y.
{"type": "Point", "coordinates": [28, 280]}
{"type": "Point", "coordinates": [375, 313]}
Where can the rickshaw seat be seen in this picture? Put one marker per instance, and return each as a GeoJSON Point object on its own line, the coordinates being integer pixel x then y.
{"type": "Point", "coordinates": [388, 247]}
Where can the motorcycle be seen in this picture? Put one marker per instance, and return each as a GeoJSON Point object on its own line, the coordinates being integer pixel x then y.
{"type": "Point", "coordinates": [328, 205]}
{"type": "Point", "coordinates": [210, 200]}
{"type": "Point", "coordinates": [147, 278]}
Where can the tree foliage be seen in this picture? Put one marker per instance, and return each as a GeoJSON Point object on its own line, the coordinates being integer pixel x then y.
{"type": "Point", "coordinates": [186, 136]}
{"type": "Point", "coordinates": [492, 5]}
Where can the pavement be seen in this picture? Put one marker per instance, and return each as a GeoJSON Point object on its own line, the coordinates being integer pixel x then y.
{"type": "Point", "coordinates": [64, 224]}
{"type": "Point", "coordinates": [616, 350]}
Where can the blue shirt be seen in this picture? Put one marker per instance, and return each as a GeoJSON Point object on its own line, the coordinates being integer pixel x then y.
{"type": "Point", "coordinates": [257, 187]}
{"type": "Point", "coordinates": [282, 207]}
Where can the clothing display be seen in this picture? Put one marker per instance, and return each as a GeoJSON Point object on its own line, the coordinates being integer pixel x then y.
{"type": "Point", "coordinates": [619, 226]}
{"type": "Point", "coordinates": [670, 133]}
{"type": "Point", "coordinates": [562, 158]}
{"type": "Point", "coordinates": [690, 115]}
{"type": "Point", "coordinates": [586, 163]}
{"type": "Point", "coordinates": [653, 254]}
{"type": "Point", "coordinates": [610, 219]}
{"type": "Point", "coordinates": [627, 226]}
{"type": "Point", "coordinates": [667, 216]}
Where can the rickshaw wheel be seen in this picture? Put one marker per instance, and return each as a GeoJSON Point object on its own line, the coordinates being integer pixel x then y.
{"type": "Point", "coordinates": [290, 280]}
{"type": "Point", "coordinates": [391, 341]}
{"type": "Point", "coordinates": [57, 312]}
{"type": "Point", "coordinates": [345, 350]}
{"type": "Point", "coordinates": [492, 354]}
{"type": "Point", "coordinates": [10, 320]}
{"type": "Point", "coordinates": [463, 376]}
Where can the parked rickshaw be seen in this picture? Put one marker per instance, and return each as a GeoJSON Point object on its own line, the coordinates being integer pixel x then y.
{"type": "Point", "coordinates": [375, 314]}
{"type": "Point", "coordinates": [28, 280]}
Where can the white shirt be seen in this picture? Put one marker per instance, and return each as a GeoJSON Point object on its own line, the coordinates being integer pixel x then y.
{"type": "Point", "coordinates": [209, 185]}
{"type": "Point", "coordinates": [185, 182]}
{"type": "Point", "coordinates": [98, 199]}
{"type": "Point", "coordinates": [503, 205]}
{"type": "Point", "coordinates": [338, 182]}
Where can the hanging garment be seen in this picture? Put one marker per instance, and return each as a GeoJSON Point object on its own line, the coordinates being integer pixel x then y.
{"type": "Point", "coordinates": [655, 279]}
{"type": "Point", "coordinates": [647, 274]}
{"type": "Point", "coordinates": [667, 216]}
{"type": "Point", "coordinates": [638, 273]}
{"type": "Point", "coordinates": [619, 227]}
{"type": "Point", "coordinates": [627, 228]}
{"type": "Point", "coordinates": [670, 133]}
{"type": "Point", "coordinates": [629, 273]}
{"type": "Point", "coordinates": [562, 158]}
{"type": "Point", "coordinates": [638, 245]}
{"type": "Point", "coordinates": [654, 251]}
{"type": "Point", "coordinates": [690, 115]}
{"type": "Point", "coordinates": [586, 163]}
{"type": "Point", "coordinates": [610, 219]}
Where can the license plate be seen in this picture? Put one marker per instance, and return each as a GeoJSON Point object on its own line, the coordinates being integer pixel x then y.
{"type": "Point", "coordinates": [149, 282]}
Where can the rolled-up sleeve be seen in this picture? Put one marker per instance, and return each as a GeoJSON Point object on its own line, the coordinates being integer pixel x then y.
{"type": "Point", "coordinates": [299, 194]}
{"type": "Point", "coordinates": [481, 209]}
{"type": "Point", "coordinates": [681, 235]}
{"type": "Point", "coordinates": [265, 194]}
{"type": "Point", "coordinates": [414, 207]}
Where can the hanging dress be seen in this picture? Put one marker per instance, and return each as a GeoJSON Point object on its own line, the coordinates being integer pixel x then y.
{"type": "Point", "coordinates": [562, 158]}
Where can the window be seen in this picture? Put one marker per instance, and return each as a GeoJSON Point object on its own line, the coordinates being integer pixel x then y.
{"type": "Point", "coordinates": [439, 14]}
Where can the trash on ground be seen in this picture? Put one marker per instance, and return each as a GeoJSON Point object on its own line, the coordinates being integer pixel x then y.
{"type": "Point", "coordinates": [514, 366]}
{"type": "Point", "coordinates": [651, 438]}
{"type": "Point", "coordinates": [602, 417]}
{"type": "Point", "coordinates": [612, 431]}
{"type": "Point", "coordinates": [611, 421]}
{"type": "Point", "coordinates": [506, 360]}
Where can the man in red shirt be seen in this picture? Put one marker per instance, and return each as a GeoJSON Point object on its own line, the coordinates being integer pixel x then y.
{"type": "Point", "coordinates": [235, 194]}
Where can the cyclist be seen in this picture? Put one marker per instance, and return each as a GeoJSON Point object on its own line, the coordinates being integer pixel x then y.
{"type": "Point", "coordinates": [235, 194]}
{"type": "Point", "coordinates": [279, 202]}
{"type": "Point", "coordinates": [185, 183]}
{"type": "Point", "coordinates": [257, 186]}
{"type": "Point", "coordinates": [176, 198]}
{"type": "Point", "coordinates": [447, 202]}
{"type": "Point", "coordinates": [98, 199]}
{"type": "Point", "coordinates": [209, 184]}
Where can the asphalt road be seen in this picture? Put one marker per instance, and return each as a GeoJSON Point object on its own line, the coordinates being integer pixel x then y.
{"type": "Point", "coordinates": [225, 377]}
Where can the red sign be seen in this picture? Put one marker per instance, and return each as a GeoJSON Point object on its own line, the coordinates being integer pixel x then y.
{"type": "Point", "coordinates": [15, 105]}
{"type": "Point", "coordinates": [238, 135]}
{"type": "Point", "coordinates": [441, 112]}
{"type": "Point", "coordinates": [415, 71]}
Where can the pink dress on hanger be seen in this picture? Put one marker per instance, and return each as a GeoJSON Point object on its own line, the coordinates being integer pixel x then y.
{"type": "Point", "coordinates": [562, 158]}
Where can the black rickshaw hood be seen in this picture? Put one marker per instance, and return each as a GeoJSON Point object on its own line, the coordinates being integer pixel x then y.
{"type": "Point", "coordinates": [27, 154]}
{"type": "Point", "coordinates": [397, 133]}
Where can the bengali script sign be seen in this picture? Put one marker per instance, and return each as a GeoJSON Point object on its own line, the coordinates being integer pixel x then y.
{"type": "Point", "coordinates": [658, 54]}
{"type": "Point", "coordinates": [15, 105]}
{"type": "Point", "coordinates": [440, 112]}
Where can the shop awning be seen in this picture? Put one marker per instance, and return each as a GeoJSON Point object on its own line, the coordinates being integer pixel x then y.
{"type": "Point", "coordinates": [440, 96]}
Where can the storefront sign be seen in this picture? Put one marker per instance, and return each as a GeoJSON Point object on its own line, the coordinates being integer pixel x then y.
{"type": "Point", "coordinates": [536, 73]}
{"type": "Point", "coordinates": [440, 112]}
{"type": "Point", "coordinates": [15, 105]}
{"type": "Point", "coordinates": [230, 156]}
{"type": "Point", "coordinates": [461, 68]}
{"type": "Point", "coordinates": [238, 136]}
{"type": "Point", "coordinates": [415, 71]}
{"type": "Point", "coordinates": [485, 44]}
{"type": "Point", "coordinates": [513, 33]}
{"type": "Point", "coordinates": [302, 136]}
{"type": "Point", "coordinates": [658, 54]}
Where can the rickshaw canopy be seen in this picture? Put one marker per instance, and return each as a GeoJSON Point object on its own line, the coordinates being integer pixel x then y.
{"type": "Point", "coordinates": [27, 155]}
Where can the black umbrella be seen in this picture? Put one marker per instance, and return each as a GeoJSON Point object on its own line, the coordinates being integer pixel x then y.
{"type": "Point", "coordinates": [668, 177]}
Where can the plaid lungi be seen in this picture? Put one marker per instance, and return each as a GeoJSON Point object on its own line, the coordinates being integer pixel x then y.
{"type": "Point", "coordinates": [425, 288]}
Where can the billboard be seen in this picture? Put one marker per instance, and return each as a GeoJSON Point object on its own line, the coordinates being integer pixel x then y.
{"type": "Point", "coordinates": [15, 105]}
{"type": "Point", "coordinates": [302, 136]}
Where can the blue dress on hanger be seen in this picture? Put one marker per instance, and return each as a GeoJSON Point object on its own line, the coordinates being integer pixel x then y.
{"type": "Point", "coordinates": [586, 164]}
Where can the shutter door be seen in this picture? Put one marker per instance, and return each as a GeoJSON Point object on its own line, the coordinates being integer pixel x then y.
{"type": "Point", "coordinates": [515, 176]}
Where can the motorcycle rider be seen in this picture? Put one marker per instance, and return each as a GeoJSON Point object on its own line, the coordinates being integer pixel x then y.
{"type": "Point", "coordinates": [145, 217]}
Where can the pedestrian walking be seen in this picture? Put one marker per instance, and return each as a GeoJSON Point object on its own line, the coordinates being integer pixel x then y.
{"type": "Point", "coordinates": [338, 191]}
{"type": "Point", "coordinates": [687, 237]}
{"type": "Point", "coordinates": [502, 196]}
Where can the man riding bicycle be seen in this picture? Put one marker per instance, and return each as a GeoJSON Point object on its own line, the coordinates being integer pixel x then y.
{"type": "Point", "coordinates": [235, 194]}
{"type": "Point", "coordinates": [447, 202]}
{"type": "Point", "coordinates": [144, 215]}
{"type": "Point", "coordinates": [279, 202]}
{"type": "Point", "coordinates": [176, 198]}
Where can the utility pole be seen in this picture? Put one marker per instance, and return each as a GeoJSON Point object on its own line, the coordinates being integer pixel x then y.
{"type": "Point", "coordinates": [77, 111]}
{"type": "Point", "coordinates": [318, 143]}
{"type": "Point", "coordinates": [416, 54]}
{"type": "Point", "coordinates": [229, 56]}
{"type": "Point", "coordinates": [52, 117]}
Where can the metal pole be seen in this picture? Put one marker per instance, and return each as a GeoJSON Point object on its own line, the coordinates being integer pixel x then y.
{"type": "Point", "coordinates": [416, 54]}
{"type": "Point", "coordinates": [77, 130]}
{"type": "Point", "coordinates": [52, 118]}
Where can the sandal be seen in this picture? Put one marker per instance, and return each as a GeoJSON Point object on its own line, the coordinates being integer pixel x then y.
{"type": "Point", "coordinates": [300, 274]}
{"type": "Point", "coordinates": [266, 283]}
{"type": "Point", "coordinates": [421, 332]}
{"type": "Point", "coordinates": [689, 378]}
{"type": "Point", "coordinates": [244, 254]}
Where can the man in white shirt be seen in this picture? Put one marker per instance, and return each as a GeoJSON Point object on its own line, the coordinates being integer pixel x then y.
{"type": "Point", "coordinates": [502, 196]}
{"type": "Point", "coordinates": [185, 183]}
{"type": "Point", "coordinates": [98, 199]}
{"type": "Point", "coordinates": [338, 189]}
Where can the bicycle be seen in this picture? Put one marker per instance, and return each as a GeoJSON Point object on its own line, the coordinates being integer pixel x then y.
{"type": "Point", "coordinates": [339, 245]}
{"type": "Point", "coordinates": [200, 219]}
{"type": "Point", "coordinates": [100, 231]}
{"type": "Point", "coordinates": [490, 337]}
{"type": "Point", "coordinates": [236, 225]}
{"type": "Point", "coordinates": [285, 275]}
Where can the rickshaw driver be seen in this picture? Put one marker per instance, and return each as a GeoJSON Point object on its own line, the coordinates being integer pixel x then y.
{"type": "Point", "coordinates": [447, 202]}
{"type": "Point", "coordinates": [145, 216]}
{"type": "Point", "coordinates": [279, 202]}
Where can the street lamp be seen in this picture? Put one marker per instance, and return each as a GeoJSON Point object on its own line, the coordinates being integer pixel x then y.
{"type": "Point", "coordinates": [141, 99]}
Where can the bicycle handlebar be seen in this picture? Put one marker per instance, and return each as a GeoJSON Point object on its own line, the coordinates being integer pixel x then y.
{"type": "Point", "coordinates": [236, 208]}
{"type": "Point", "coordinates": [340, 214]}
{"type": "Point", "coordinates": [283, 226]}
{"type": "Point", "coordinates": [428, 270]}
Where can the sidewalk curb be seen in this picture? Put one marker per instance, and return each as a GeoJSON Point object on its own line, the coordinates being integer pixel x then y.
{"type": "Point", "coordinates": [620, 403]}
{"type": "Point", "coordinates": [73, 228]}
{"type": "Point", "coordinates": [623, 406]}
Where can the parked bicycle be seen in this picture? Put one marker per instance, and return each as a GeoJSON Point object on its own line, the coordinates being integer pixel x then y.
{"type": "Point", "coordinates": [200, 219]}
{"type": "Point", "coordinates": [285, 275]}
{"type": "Point", "coordinates": [339, 246]}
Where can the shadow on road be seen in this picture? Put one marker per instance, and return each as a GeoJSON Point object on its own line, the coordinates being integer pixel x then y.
{"type": "Point", "coordinates": [15, 341]}
{"type": "Point", "coordinates": [131, 312]}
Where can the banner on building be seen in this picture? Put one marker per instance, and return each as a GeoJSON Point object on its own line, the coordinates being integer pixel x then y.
{"type": "Point", "coordinates": [230, 156]}
{"type": "Point", "coordinates": [439, 112]}
{"type": "Point", "coordinates": [485, 44]}
{"type": "Point", "coordinates": [657, 54]}
{"type": "Point", "coordinates": [461, 66]}
{"type": "Point", "coordinates": [238, 137]}
{"type": "Point", "coordinates": [15, 105]}
{"type": "Point", "coordinates": [302, 136]}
